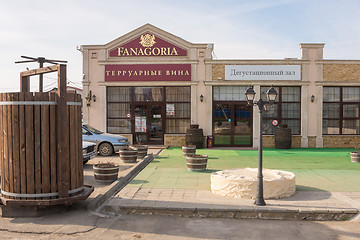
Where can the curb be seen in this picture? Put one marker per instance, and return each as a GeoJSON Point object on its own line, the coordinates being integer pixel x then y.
{"type": "Point", "coordinates": [264, 214]}
{"type": "Point", "coordinates": [119, 184]}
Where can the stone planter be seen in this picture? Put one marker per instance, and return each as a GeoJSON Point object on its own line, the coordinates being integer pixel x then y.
{"type": "Point", "coordinates": [196, 163]}
{"type": "Point", "coordinates": [128, 155]}
{"type": "Point", "coordinates": [141, 150]}
{"type": "Point", "coordinates": [106, 172]}
{"type": "Point", "coordinates": [188, 150]}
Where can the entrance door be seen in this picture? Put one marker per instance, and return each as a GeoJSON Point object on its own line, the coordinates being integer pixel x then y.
{"type": "Point", "coordinates": [149, 124]}
{"type": "Point", "coordinates": [232, 124]}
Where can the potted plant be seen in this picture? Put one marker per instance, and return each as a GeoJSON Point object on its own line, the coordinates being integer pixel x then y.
{"type": "Point", "coordinates": [355, 156]}
{"type": "Point", "coordinates": [106, 172]}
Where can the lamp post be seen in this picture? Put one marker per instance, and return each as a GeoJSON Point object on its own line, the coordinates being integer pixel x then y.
{"type": "Point", "coordinates": [271, 95]}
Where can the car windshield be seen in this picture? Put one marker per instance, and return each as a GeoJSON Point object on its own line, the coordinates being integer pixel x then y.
{"type": "Point", "coordinates": [93, 130]}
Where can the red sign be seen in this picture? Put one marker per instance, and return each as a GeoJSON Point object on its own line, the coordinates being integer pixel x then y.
{"type": "Point", "coordinates": [148, 72]}
{"type": "Point", "coordinates": [275, 122]}
{"type": "Point", "coordinates": [147, 45]}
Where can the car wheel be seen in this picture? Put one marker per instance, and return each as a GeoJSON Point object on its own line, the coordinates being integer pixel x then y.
{"type": "Point", "coordinates": [106, 149]}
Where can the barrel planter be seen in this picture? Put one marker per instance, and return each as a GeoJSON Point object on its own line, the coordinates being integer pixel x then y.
{"type": "Point", "coordinates": [355, 157]}
{"type": "Point", "coordinates": [141, 150]}
{"type": "Point", "coordinates": [196, 163]}
{"type": "Point", "coordinates": [106, 172]}
{"type": "Point", "coordinates": [128, 155]}
{"type": "Point", "coordinates": [283, 137]}
{"type": "Point", "coordinates": [194, 136]}
{"type": "Point", "coordinates": [188, 150]}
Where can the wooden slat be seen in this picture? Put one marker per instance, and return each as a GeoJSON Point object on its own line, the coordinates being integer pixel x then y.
{"type": "Point", "coordinates": [53, 149]}
{"type": "Point", "coordinates": [24, 83]}
{"type": "Point", "coordinates": [37, 126]}
{"type": "Point", "coordinates": [72, 142]}
{"type": "Point", "coordinates": [79, 144]}
{"type": "Point", "coordinates": [63, 135]}
{"type": "Point", "coordinates": [22, 130]}
{"type": "Point", "coordinates": [10, 145]}
{"type": "Point", "coordinates": [16, 143]}
{"type": "Point", "coordinates": [45, 145]}
{"type": "Point", "coordinates": [29, 136]}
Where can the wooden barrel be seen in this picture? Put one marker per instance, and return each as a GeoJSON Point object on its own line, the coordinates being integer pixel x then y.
{"type": "Point", "coordinates": [195, 137]}
{"type": "Point", "coordinates": [283, 137]}
{"type": "Point", "coordinates": [196, 163]}
{"type": "Point", "coordinates": [188, 150]}
{"type": "Point", "coordinates": [128, 155]}
{"type": "Point", "coordinates": [194, 126]}
{"type": "Point", "coordinates": [40, 148]}
{"type": "Point", "coordinates": [106, 173]}
{"type": "Point", "coordinates": [355, 156]}
{"type": "Point", "coordinates": [141, 150]}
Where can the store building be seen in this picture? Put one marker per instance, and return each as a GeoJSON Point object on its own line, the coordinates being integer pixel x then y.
{"type": "Point", "coordinates": [150, 85]}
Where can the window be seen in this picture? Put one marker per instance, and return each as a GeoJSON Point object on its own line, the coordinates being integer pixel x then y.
{"type": "Point", "coordinates": [341, 110]}
{"type": "Point", "coordinates": [178, 109]}
{"type": "Point", "coordinates": [229, 93]}
{"type": "Point", "coordinates": [286, 109]}
{"type": "Point", "coordinates": [118, 110]}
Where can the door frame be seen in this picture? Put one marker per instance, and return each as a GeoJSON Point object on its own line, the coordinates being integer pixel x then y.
{"type": "Point", "coordinates": [232, 117]}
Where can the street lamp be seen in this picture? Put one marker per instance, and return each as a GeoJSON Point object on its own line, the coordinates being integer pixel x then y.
{"type": "Point", "coordinates": [271, 95]}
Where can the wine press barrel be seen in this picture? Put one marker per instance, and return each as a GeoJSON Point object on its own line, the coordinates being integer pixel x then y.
{"type": "Point", "coordinates": [141, 150]}
{"type": "Point", "coordinates": [188, 150]}
{"type": "Point", "coordinates": [283, 137]}
{"type": "Point", "coordinates": [194, 136]}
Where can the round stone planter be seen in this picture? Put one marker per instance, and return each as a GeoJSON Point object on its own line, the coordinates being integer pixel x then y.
{"type": "Point", "coordinates": [242, 183]}
{"type": "Point", "coordinates": [196, 163]}
{"type": "Point", "coordinates": [355, 156]}
{"type": "Point", "coordinates": [106, 172]}
{"type": "Point", "coordinates": [188, 150]}
{"type": "Point", "coordinates": [141, 150]}
{"type": "Point", "coordinates": [128, 155]}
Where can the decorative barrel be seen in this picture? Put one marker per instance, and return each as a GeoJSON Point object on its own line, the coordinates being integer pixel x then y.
{"type": "Point", "coordinates": [41, 149]}
{"type": "Point", "coordinates": [194, 126]}
{"type": "Point", "coordinates": [188, 150]}
{"type": "Point", "coordinates": [128, 155]}
{"type": "Point", "coordinates": [105, 172]}
{"type": "Point", "coordinates": [283, 137]}
{"type": "Point", "coordinates": [141, 150]}
{"type": "Point", "coordinates": [194, 136]}
{"type": "Point", "coordinates": [196, 163]}
{"type": "Point", "coordinates": [355, 156]}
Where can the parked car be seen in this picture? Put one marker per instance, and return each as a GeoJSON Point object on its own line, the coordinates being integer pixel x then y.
{"type": "Point", "coordinates": [89, 151]}
{"type": "Point", "coordinates": [106, 143]}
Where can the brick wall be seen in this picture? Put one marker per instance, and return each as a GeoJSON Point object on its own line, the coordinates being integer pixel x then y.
{"type": "Point", "coordinates": [341, 141]}
{"type": "Point", "coordinates": [174, 140]}
{"type": "Point", "coordinates": [341, 72]}
{"type": "Point", "coordinates": [269, 141]}
{"type": "Point", "coordinates": [218, 71]}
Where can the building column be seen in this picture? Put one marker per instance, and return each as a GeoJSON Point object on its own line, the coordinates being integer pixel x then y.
{"type": "Point", "coordinates": [319, 112]}
{"type": "Point", "coordinates": [256, 119]}
{"type": "Point", "coordinates": [304, 116]}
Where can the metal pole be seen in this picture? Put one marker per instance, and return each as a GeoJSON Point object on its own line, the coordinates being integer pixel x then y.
{"type": "Point", "coordinates": [260, 196]}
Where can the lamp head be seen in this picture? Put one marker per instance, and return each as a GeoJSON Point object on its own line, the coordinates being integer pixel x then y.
{"type": "Point", "coordinates": [250, 95]}
{"type": "Point", "coordinates": [271, 95]}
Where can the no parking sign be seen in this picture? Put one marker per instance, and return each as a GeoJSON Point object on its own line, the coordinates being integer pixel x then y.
{"type": "Point", "coordinates": [275, 122]}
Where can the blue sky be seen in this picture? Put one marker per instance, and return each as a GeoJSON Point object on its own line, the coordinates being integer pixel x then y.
{"type": "Point", "coordinates": [242, 29]}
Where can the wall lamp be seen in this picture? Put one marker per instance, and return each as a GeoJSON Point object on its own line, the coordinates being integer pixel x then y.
{"type": "Point", "coordinates": [90, 97]}
{"type": "Point", "coordinates": [312, 98]}
{"type": "Point", "coordinates": [201, 98]}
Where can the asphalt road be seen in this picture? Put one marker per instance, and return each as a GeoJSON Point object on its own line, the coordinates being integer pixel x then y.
{"type": "Point", "coordinates": [78, 223]}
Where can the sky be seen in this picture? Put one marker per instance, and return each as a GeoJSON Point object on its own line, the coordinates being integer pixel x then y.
{"type": "Point", "coordinates": [239, 29]}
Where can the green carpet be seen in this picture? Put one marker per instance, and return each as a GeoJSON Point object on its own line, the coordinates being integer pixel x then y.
{"type": "Point", "coordinates": [315, 169]}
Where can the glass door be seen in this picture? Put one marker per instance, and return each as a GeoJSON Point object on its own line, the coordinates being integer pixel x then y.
{"type": "Point", "coordinates": [148, 124]}
{"type": "Point", "coordinates": [232, 124]}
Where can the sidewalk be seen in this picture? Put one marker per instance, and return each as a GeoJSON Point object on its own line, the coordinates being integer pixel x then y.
{"type": "Point", "coordinates": [304, 205]}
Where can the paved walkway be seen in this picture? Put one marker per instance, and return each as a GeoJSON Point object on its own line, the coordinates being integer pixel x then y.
{"type": "Point", "coordinates": [304, 205]}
